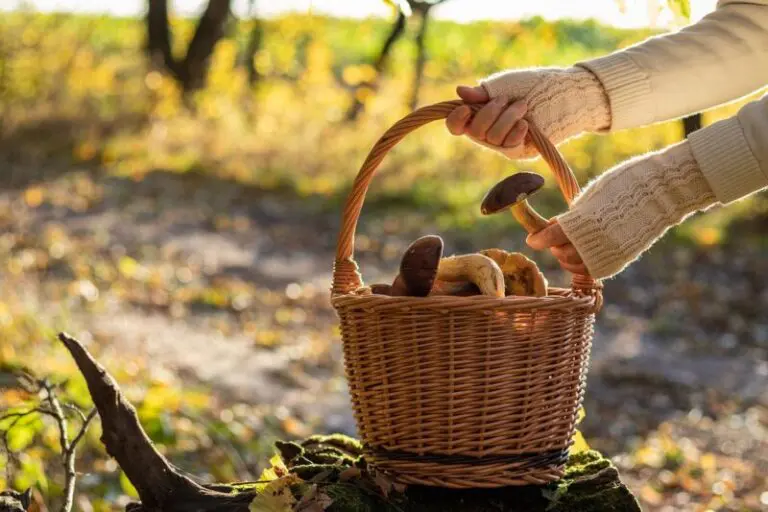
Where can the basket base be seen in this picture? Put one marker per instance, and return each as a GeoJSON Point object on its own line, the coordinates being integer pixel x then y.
{"type": "Point", "coordinates": [465, 472]}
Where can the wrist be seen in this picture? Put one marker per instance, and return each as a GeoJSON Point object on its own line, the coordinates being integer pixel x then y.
{"type": "Point", "coordinates": [562, 102]}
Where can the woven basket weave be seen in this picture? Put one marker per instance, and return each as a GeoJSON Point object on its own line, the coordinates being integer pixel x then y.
{"type": "Point", "coordinates": [463, 391]}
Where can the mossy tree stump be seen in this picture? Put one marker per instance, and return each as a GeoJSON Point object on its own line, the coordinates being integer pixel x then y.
{"type": "Point", "coordinates": [325, 473]}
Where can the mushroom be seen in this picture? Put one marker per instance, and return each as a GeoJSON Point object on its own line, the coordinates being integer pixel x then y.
{"type": "Point", "coordinates": [418, 267]}
{"type": "Point", "coordinates": [381, 289]}
{"type": "Point", "coordinates": [512, 192]}
{"type": "Point", "coordinates": [457, 288]}
{"type": "Point", "coordinates": [521, 275]}
{"type": "Point", "coordinates": [475, 268]}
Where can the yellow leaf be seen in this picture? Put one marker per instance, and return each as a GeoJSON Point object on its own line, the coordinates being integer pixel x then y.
{"type": "Point", "coordinates": [128, 266]}
{"type": "Point", "coordinates": [275, 470]}
{"type": "Point", "coordinates": [276, 496]}
{"type": "Point", "coordinates": [580, 415]}
{"type": "Point", "coordinates": [579, 443]}
{"type": "Point", "coordinates": [33, 196]}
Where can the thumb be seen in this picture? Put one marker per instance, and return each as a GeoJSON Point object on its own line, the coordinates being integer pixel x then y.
{"type": "Point", "coordinates": [476, 94]}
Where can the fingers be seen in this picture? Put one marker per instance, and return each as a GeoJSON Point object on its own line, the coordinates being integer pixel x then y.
{"type": "Point", "coordinates": [476, 94]}
{"type": "Point", "coordinates": [550, 236]}
{"type": "Point", "coordinates": [516, 135]}
{"type": "Point", "coordinates": [457, 120]}
{"type": "Point", "coordinates": [553, 238]}
{"type": "Point", "coordinates": [567, 254]}
{"type": "Point", "coordinates": [505, 123]}
{"type": "Point", "coordinates": [575, 269]}
{"type": "Point", "coordinates": [486, 117]}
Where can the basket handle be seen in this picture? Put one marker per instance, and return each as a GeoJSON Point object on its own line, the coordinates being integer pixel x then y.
{"type": "Point", "coordinates": [346, 277]}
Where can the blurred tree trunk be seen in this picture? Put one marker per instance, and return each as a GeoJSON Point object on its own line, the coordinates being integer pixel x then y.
{"type": "Point", "coordinates": [159, 36]}
{"type": "Point", "coordinates": [191, 71]}
{"type": "Point", "coordinates": [255, 38]}
{"type": "Point", "coordinates": [691, 124]}
{"type": "Point", "coordinates": [421, 54]}
{"type": "Point", "coordinates": [381, 61]}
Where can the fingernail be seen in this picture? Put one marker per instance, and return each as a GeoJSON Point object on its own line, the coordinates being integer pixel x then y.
{"type": "Point", "coordinates": [464, 112]}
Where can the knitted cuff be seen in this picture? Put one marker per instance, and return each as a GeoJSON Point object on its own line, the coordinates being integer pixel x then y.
{"type": "Point", "coordinates": [561, 102]}
{"type": "Point", "coordinates": [727, 161]}
{"type": "Point", "coordinates": [622, 213]}
{"type": "Point", "coordinates": [628, 89]}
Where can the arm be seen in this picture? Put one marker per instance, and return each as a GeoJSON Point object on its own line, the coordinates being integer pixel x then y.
{"type": "Point", "coordinates": [718, 59]}
{"type": "Point", "coordinates": [623, 212]}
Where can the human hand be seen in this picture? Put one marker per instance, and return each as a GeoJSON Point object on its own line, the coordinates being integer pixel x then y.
{"type": "Point", "coordinates": [498, 125]}
{"type": "Point", "coordinates": [560, 102]}
{"type": "Point", "coordinates": [554, 238]}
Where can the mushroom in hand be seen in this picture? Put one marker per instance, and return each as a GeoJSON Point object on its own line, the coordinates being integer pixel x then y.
{"type": "Point", "coordinates": [512, 192]}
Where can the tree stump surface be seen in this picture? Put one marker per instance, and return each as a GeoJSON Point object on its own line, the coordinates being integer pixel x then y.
{"type": "Point", "coordinates": [330, 471]}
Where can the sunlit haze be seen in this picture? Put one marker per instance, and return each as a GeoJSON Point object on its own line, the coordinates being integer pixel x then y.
{"type": "Point", "coordinates": [615, 12]}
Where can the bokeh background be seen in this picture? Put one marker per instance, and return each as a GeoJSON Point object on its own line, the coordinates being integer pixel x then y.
{"type": "Point", "coordinates": [178, 211]}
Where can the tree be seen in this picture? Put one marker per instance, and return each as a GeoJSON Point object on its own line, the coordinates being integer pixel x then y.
{"type": "Point", "coordinates": [422, 10]}
{"type": "Point", "coordinates": [691, 123]}
{"type": "Point", "coordinates": [190, 72]}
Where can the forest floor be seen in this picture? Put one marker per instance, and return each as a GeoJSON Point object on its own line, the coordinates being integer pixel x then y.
{"type": "Point", "coordinates": [227, 286]}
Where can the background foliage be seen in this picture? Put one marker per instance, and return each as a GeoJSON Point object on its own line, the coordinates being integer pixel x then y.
{"type": "Point", "coordinates": [86, 125]}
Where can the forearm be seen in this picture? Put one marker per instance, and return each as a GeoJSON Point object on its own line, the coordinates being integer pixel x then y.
{"type": "Point", "coordinates": [623, 212]}
{"type": "Point", "coordinates": [718, 59]}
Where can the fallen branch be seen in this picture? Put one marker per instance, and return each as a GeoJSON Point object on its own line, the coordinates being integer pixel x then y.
{"type": "Point", "coordinates": [159, 484]}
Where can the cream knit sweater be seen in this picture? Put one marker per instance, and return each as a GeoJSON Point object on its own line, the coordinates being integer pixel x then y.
{"type": "Point", "coordinates": [719, 59]}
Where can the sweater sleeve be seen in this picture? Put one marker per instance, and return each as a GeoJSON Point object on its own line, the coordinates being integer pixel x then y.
{"type": "Point", "coordinates": [733, 153]}
{"type": "Point", "coordinates": [624, 211]}
{"type": "Point", "coordinates": [718, 59]}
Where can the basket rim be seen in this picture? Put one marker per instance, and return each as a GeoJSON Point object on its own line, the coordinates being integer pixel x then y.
{"type": "Point", "coordinates": [558, 298]}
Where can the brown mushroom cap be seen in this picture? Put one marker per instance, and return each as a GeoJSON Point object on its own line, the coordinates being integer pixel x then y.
{"type": "Point", "coordinates": [418, 267]}
{"type": "Point", "coordinates": [510, 191]}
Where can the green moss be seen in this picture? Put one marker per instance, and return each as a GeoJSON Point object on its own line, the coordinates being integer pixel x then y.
{"type": "Point", "coordinates": [585, 463]}
{"type": "Point", "coordinates": [591, 484]}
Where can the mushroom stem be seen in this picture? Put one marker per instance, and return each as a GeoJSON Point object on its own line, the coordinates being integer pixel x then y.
{"type": "Point", "coordinates": [512, 193]}
{"type": "Point", "coordinates": [528, 217]}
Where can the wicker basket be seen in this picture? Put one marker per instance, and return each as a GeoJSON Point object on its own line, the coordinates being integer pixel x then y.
{"type": "Point", "coordinates": [463, 391]}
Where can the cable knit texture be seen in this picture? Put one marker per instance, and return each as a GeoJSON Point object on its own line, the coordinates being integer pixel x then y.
{"type": "Point", "coordinates": [561, 102]}
{"type": "Point", "coordinates": [624, 211]}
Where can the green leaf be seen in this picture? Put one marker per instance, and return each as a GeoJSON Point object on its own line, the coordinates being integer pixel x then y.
{"type": "Point", "coordinates": [127, 486]}
{"type": "Point", "coordinates": [681, 8]}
